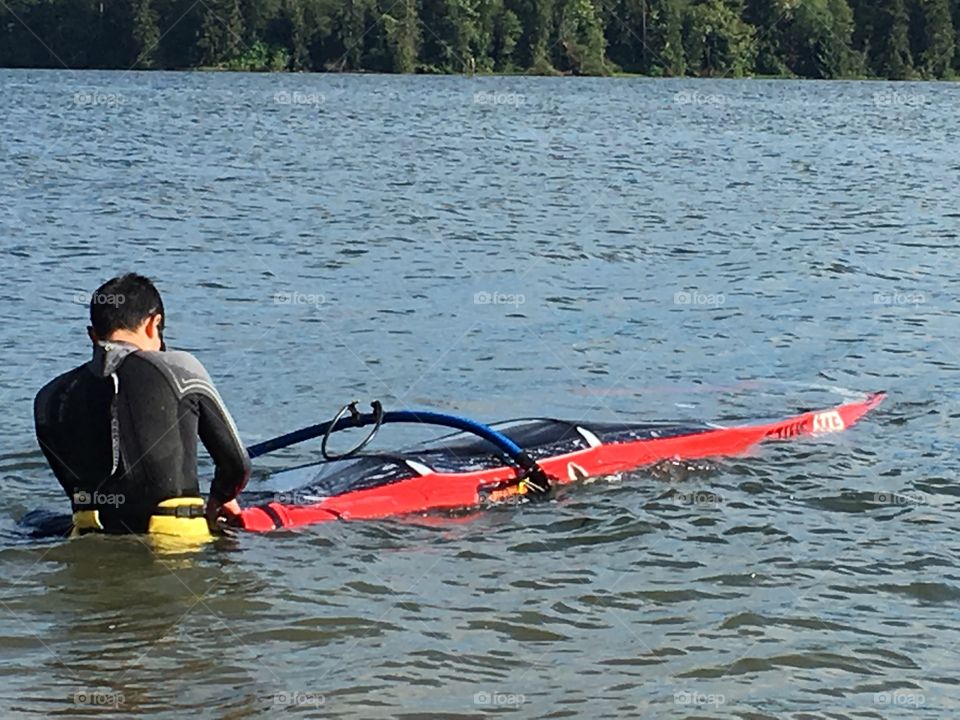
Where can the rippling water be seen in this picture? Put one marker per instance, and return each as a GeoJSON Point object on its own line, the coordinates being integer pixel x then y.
{"type": "Point", "coordinates": [584, 248]}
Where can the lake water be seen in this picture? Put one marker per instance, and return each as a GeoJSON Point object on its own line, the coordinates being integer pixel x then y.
{"type": "Point", "coordinates": [500, 247]}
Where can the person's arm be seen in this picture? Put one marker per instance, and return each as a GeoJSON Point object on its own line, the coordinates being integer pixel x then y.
{"type": "Point", "coordinates": [215, 428]}
{"type": "Point", "coordinates": [58, 468]}
{"type": "Point", "coordinates": [41, 418]}
{"type": "Point", "coordinates": [219, 436]}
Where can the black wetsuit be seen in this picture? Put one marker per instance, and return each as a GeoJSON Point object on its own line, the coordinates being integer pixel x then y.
{"type": "Point", "coordinates": [120, 433]}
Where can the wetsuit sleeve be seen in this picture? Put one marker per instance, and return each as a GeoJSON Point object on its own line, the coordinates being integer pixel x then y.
{"type": "Point", "coordinates": [45, 436]}
{"type": "Point", "coordinates": [215, 427]}
{"type": "Point", "coordinates": [219, 436]}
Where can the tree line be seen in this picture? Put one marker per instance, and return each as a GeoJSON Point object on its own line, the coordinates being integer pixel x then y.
{"type": "Point", "coordinates": [896, 39]}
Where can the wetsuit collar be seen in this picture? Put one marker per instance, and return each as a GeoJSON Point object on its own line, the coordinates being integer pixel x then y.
{"type": "Point", "coordinates": [107, 356]}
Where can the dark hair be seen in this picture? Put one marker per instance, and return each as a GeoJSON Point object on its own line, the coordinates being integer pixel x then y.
{"type": "Point", "coordinates": [123, 303]}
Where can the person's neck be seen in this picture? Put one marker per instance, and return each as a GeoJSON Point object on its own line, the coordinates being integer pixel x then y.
{"type": "Point", "coordinates": [125, 336]}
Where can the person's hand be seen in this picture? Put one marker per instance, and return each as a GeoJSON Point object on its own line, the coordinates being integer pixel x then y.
{"type": "Point", "coordinates": [216, 511]}
{"type": "Point", "coordinates": [230, 509]}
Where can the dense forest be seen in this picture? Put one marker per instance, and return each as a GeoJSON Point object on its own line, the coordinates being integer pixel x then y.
{"type": "Point", "coordinates": [898, 39]}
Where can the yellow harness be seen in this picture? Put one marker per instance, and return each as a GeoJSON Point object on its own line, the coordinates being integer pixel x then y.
{"type": "Point", "coordinates": [85, 521]}
{"type": "Point", "coordinates": [178, 523]}
{"type": "Point", "coordinates": [180, 517]}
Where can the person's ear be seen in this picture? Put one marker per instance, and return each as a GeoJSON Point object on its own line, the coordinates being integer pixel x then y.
{"type": "Point", "coordinates": [152, 329]}
{"type": "Point", "coordinates": [92, 335]}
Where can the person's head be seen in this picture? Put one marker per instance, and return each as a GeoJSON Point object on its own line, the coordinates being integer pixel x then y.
{"type": "Point", "coordinates": [127, 308]}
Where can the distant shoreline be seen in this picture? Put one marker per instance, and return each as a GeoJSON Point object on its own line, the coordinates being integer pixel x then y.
{"type": "Point", "coordinates": [558, 76]}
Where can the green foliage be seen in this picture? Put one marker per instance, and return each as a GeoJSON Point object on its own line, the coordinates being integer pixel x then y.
{"type": "Point", "coordinates": [841, 59]}
{"type": "Point", "coordinates": [507, 34]}
{"type": "Point", "coordinates": [937, 42]}
{"type": "Point", "coordinates": [221, 32]}
{"type": "Point", "coordinates": [540, 36]}
{"type": "Point", "coordinates": [454, 33]}
{"type": "Point", "coordinates": [403, 36]}
{"type": "Point", "coordinates": [642, 36]}
{"type": "Point", "coordinates": [353, 18]}
{"type": "Point", "coordinates": [719, 38]}
{"type": "Point", "coordinates": [581, 39]}
{"type": "Point", "coordinates": [145, 33]}
{"type": "Point", "coordinates": [291, 15]}
{"type": "Point", "coordinates": [890, 44]}
{"type": "Point", "coordinates": [815, 39]}
{"type": "Point", "coordinates": [719, 42]}
{"type": "Point", "coordinates": [260, 57]}
{"type": "Point", "coordinates": [666, 37]}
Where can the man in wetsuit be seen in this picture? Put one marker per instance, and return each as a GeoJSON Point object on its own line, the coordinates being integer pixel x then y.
{"type": "Point", "coordinates": [120, 432]}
